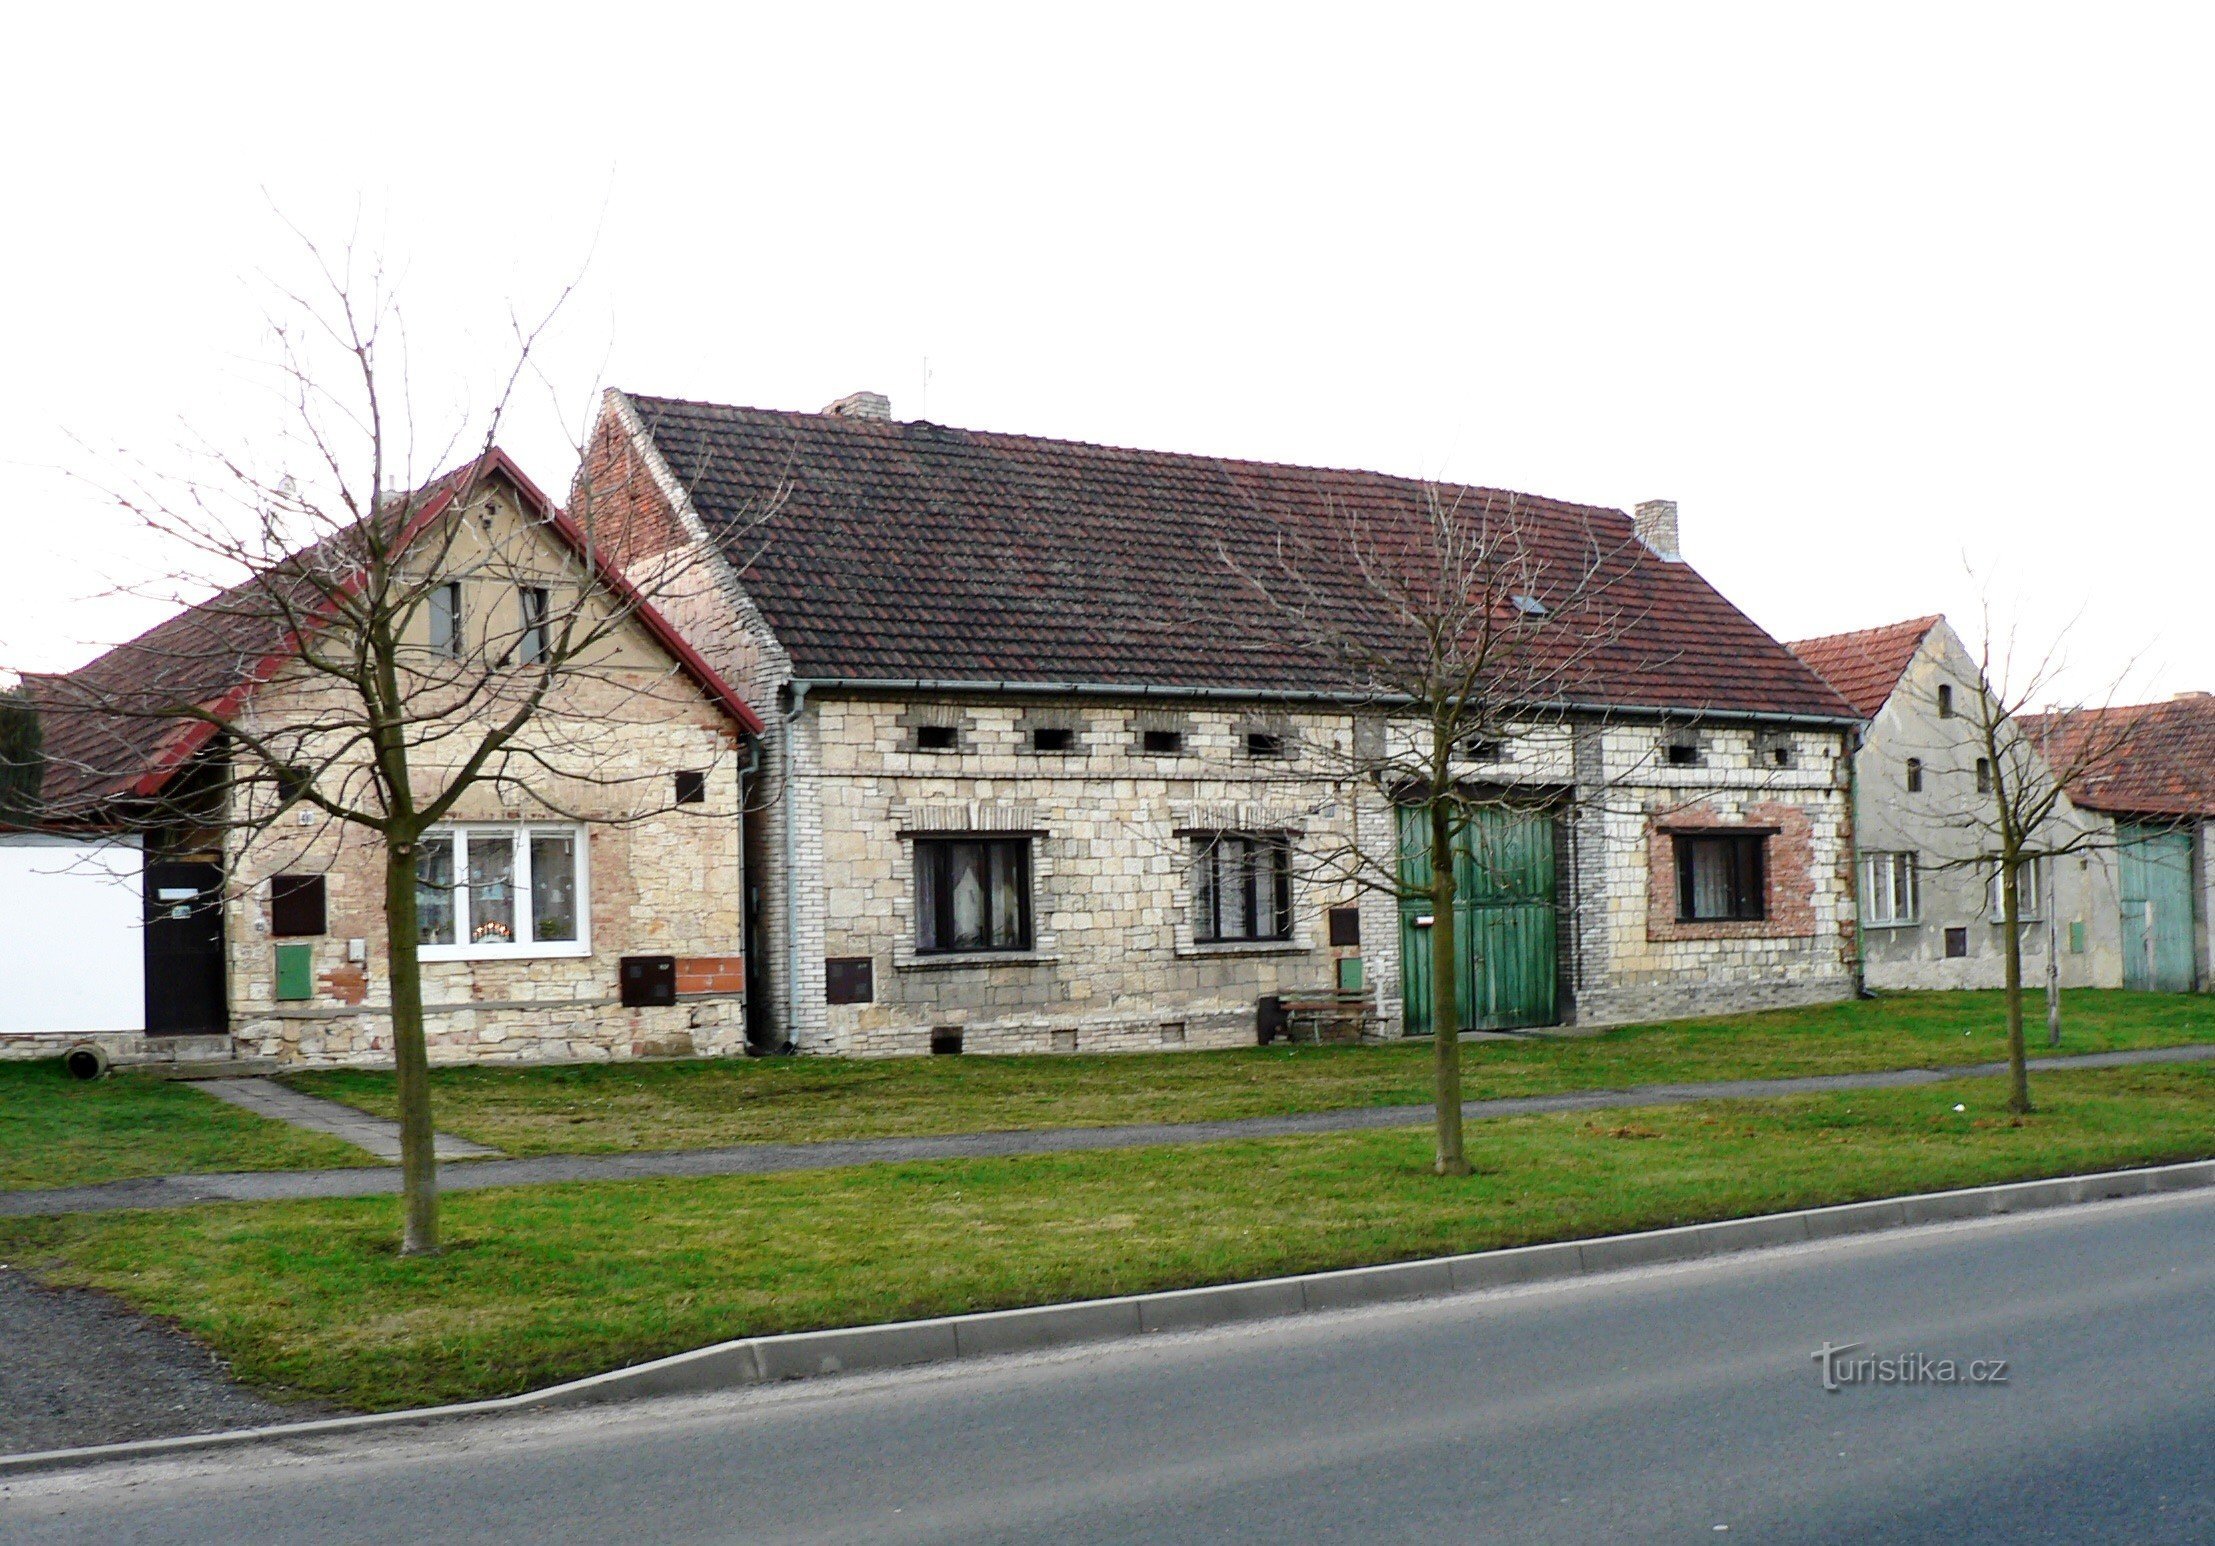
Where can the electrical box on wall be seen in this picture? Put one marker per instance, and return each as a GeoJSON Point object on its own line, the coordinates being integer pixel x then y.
{"type": "Point", "coordinates": [295, 973]}
{"type": "Point", "coordinates": [648, 981]}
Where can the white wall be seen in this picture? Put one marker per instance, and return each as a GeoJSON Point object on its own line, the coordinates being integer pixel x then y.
{"type": "Point", "coordinates": [71, 958]}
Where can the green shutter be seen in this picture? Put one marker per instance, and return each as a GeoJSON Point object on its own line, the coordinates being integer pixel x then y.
{"type": "Point", "coordinates": [295, 972]}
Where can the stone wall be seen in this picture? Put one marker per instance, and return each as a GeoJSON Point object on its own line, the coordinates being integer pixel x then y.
{"type": "Point", "coordinates": [1113, 963]}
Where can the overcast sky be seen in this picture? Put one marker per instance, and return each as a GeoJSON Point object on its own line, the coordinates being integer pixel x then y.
{"type": "Point", "coordinates": [1879, 295]}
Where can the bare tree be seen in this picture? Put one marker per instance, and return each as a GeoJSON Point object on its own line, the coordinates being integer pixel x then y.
{"type": "Point", "coordinates": [345, 673]}
{"type": "Point", "coordinates": [2013, 820]}
{"type": "Point", "coordinates": [1457, 627]}
{"type": "Point", "coordinates": [20, 741]}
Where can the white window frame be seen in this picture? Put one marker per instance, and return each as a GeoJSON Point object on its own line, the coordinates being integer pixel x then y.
{"type": "Point", "coordinates": [1878, 872]}
{"type": "Point", "coordinates": [525, 948]}
{"type": "Point", "coordinates": [2032, 897]}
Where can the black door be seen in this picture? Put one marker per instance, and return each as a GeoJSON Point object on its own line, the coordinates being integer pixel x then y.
{"type": "Point", "coordinates": [184, 950]}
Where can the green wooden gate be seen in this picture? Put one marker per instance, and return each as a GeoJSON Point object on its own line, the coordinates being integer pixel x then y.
{"type": "Point", "coordinates": [2156, 874]}
{"type": "Point", "coordinates": [1504, 920]}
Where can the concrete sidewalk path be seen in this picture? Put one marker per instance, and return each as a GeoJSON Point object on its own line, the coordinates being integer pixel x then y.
{"type": "Point", "coordinates": [267, 1098]}
{"type": "Point", "coordinates": [765, 1158]}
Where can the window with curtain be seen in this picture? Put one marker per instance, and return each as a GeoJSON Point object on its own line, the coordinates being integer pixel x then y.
{"type": "Point", "coordinates": [972, 894]}
{"type": "Point", "coordinates": [1720, 877]}
{"type": "Point", "coordinates": [1241, 887]}
{"type": "Point", "coordinates": [489, 890]}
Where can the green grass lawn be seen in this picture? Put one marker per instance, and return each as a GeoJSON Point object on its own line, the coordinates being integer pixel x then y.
{"type": "Point", "coordinates": [59, 1131]}
{"type": "Point", "coordinates": [609, 1108]}
{"type": "Point", "coordinates": [547, 1283]}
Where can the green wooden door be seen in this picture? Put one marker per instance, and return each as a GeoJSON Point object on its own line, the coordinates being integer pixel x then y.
{"type": "Point", "coordinates": [1504, 921]}
{"type": "Point", "coordinates": [2157, 888]}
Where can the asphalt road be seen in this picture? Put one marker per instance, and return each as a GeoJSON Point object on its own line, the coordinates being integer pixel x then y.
{"type": "Point", "coordinates": [1656, 1406]}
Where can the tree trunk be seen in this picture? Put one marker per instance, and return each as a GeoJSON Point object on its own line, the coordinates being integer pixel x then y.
{"type": "Point", "coordinates": [418, 1165]}
{"type": "Point", "coordinates": [1445, 997]}
{"type": "Point", "coordinates": [2018, 1068]}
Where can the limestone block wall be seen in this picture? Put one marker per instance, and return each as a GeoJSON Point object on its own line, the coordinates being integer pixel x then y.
{"type": "Point", "coordinates": [659, 879]}
{"type": "Point", "coordinates": [1113, 963]}
{"type": "Point", "coordinates": [1636, 959]}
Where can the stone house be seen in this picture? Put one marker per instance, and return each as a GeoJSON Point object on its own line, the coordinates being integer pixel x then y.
{"type": "Point", "coordinates": [1930, 915]}
{"type": "Point", "coordinates": [605, 844]}
{"type": "Point", "coordinates": [1042, 776]}
{"type": "Point", "coordinates": [2153, 780]}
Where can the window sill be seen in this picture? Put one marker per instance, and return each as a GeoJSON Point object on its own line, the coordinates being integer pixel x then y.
{"type": "Point", "coordinates": [1895, 923]}
{"type": "Point", "coordinates": [1247, 947]}
{"type": "Point", "coordinates": [972, 958]}
{"type": "Point", "coordinates": [429, 953]}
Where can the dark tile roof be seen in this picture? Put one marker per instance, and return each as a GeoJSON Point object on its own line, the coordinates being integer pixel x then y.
{"type": "Point", "coordinates": [2146, 759]}
{"type": "Point", "coordinates": [112, 730]}
{"type": "Point", "coordinates": [1866, 665]}
{"type": "Point", "coordinates": [907, 551]}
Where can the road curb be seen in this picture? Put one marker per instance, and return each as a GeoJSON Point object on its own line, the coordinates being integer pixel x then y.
{"type": "Point", "coordinates": [952, 1338]}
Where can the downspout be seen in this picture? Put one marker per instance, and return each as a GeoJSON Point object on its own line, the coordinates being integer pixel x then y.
{"type": "Point", "coordinates": [791, 873]}
{"type": "Point", "coordinates": [1853, 860]}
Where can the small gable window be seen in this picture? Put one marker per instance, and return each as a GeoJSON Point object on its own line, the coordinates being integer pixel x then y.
{"type": "Point", "coordinates": [1945, 702]}
{"type": "Point", "coordinates": [1984, 775]}
{"type": "Point", "coordinates": [1914, 775]}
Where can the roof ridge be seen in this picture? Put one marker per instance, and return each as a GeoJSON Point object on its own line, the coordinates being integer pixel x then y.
{"type": "Point", "coordinates": [1209, 458]}
{"type": "Point", "coordinates": [1921, 625]}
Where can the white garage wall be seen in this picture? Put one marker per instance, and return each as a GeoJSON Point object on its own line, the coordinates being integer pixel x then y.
{"type": "Point", "coordinates": [71, 958]}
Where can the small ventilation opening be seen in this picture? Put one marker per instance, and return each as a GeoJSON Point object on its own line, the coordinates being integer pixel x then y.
{"type": "Point", "coordinates": [1684, 754]}
{"type": "Point", "coordinates": [946, 1041]}
{"type": "Point", "coordinates": [1264, 743]}
{"type": "Point", "coordinates": [1163, 743]}
{"type": "Point", "coordinates": [937, 738]}
{"type": "Point", "coordinates": [1482, 750]}
{"type": "Point", "coordinates": [1053, 738]}
{"type": "Point", "coordinates": [1780, 754]}
{"type": "Point", "coordinates": [1065, 1041]}
{"type": "Point", "coordinates": [692, 788]}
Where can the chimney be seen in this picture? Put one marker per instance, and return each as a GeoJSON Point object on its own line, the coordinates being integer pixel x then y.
{"type": "Point", "coordinates": [2192, 695]}
{"type": "Point", "coordinates": [862, 405]}
{"type": "Point", "coordinates": [1655, 521]}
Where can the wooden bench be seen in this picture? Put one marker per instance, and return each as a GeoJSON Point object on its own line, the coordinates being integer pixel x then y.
{"type": "Point", "coordinates": [1325, 1017]}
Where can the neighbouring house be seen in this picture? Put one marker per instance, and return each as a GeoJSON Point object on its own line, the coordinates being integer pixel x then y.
{"type": "Point", "coordinates": [1930, 914]}
{"type": "Point", "coordinates": [2157, 787]}
{"type": "Point", "coordinates": [147, 916]}
{"type": "Point", "coordinates": [1042, 775]}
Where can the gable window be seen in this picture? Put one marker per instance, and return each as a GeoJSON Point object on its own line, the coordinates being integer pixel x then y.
{"type": "Point", "coordinates": [1241, 887]}
{"type": "Point", "coordinates": [2027, 897]}
{"type": "Point", "coordinates": [1720, 877]}
{"type": "Point", "coordinates": [1914, 775]}
{"type": "Point", "coordinates": [1984, 775]}
{"type": "Point", "coordinates": [490, 890]}
{"type": "Point", "coordinates": [1945, 702]}
{"type": "Point", "coordinates": [972, 894]}
{"type": "Point", "coordinates": [1891, 891]}
{"type": "Point", "coordinates": [446, 620]}
{"type": "Point", "coordinates": [536, 641]}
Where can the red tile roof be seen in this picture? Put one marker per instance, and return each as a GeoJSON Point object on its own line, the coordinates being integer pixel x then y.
{"type": "Point", "coordinates": [1866, 665]}
{"type": "Point", "coordinates": [2145, 759]}
{"type": "Point", "coordinates": [911, 552]}
{"type": "Point", "coordinates": [111, 729]}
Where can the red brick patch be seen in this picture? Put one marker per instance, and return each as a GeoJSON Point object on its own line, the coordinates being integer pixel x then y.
{"type": "Point", "coordinates": [1788, 874]}
{"type": "Point", "coordinates": [711, 974]}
